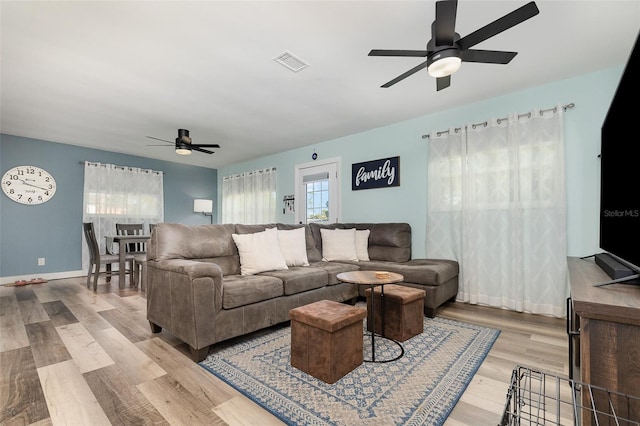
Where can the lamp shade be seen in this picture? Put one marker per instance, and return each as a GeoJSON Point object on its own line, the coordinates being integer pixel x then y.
{"type": "Point", "coordinates": [444, 63]}
{"type": "Point", "coordinates": [183, 150]}
{"type": "Point", "coordinates": [202, 206]}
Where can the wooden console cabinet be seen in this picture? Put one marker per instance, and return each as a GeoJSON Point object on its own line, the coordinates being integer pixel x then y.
{"type": "Point", "coordinates": [609, 319]}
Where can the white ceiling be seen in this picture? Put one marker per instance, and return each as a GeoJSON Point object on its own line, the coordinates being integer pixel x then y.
{"type": "Point", "coordinates": [106, 74]}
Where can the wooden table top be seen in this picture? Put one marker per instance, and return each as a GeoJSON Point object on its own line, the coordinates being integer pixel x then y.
{"type": "Point", "coordinates": [369, 277]}
{"type": "Point", "coordinates": [616, 302]}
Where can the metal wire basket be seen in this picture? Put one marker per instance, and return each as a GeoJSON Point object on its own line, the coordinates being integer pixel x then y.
{"type": "Point", "coordinates": [539, 398]}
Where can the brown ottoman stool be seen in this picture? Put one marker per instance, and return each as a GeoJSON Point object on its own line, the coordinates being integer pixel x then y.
{"type": "Point", "coordinates": [327, 339]}
{"type": "Point", "coordinates": [403, 311]}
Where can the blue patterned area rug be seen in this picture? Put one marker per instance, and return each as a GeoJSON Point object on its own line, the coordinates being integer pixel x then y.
{"type": "Point", "coordinates": [420, 388]}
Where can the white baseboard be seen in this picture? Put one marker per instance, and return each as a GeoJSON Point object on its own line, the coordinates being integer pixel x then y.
{"type": "Point", "coordinates": [50, 276]}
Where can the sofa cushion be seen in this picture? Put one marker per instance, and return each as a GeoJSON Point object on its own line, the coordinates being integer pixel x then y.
{"type": "Point", "coordinates": [259, 252]}
{"type": "Point", "coordinates": [230, 265]}
{"type": "Point", "coordinates": [418, 271]}
{"type": "Point", "coordinates": [241, 290]}
{"type": "Point", "coordinates": [252, 229]}
{"type": "Point", "coordinates": [387, 241]}
{"type": "Point", "coordinates": [178, 241]}
{"type": "Point", "coordinates": [338, 244]}
{"type": "Point", "coordinates": [313, 253]}
{"type": "Point", "coordinates": [300, 278]}
{"type": "Point", "coordinates": [317, 237]}
{"type": "Point", "coordinates": [362, 244]}
{"type": "Point", "coordinates": [334, 268]}
{"type": "Point", "coordinates": [293, 246]}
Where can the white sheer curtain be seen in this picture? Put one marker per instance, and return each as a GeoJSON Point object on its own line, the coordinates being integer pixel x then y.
{"type": "Point", "coordinates": [496, 203]}
{"type": "Point", "coordinates": [249, 198]}
{"type": "Point", "coordinates": [118, 194]}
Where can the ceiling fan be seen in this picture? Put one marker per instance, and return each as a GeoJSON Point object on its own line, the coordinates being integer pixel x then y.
{"type": "Point", "coordinates": [446, 50]}
{"type": "Point", "coordinates": [184, 145]}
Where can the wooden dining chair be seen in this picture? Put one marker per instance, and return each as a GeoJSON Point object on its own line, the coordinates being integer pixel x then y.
{"type": "Point", "coordinates": [137, 250]}
{"type": "Point", "coordinates": [97, 259]}
{"type": "Point", "coordinates": [132, 229]}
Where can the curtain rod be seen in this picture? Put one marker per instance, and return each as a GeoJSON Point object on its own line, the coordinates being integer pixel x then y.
{"type": "Point", "coordinates": [124, 167]}
{"type": "Point", "coordinates": [249, 173]}
{"type": "Point", "coordinates": [484, 123]}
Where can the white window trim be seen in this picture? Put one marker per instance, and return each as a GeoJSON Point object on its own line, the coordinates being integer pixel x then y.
{"type": "Point", "coordinates": [300, 212]}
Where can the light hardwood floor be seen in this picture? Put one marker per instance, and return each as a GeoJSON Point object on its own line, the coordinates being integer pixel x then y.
{"type": "Point", "coordinates": [69, 356]}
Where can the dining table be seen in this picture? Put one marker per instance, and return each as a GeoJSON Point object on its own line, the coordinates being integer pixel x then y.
{"type": "Point", "coordinates": [122, 241]}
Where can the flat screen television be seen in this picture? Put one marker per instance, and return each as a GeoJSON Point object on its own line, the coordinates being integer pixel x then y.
{"type": "Point", "coordinates": [620, 175]}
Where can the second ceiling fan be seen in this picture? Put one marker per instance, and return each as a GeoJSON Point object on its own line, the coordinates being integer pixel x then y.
{"type": "Point", "coordinates": [184, 144]}
{"type": "Point", "coordinates": [447, 50]}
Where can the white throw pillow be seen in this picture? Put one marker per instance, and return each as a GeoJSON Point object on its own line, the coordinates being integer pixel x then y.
{"type": "Point", "coordinates": [259, 252]}
{"type": "Point", "coordinates": [293, 245]}
{"type": "Point", "coordinates": [362, 244]}
{"type": "Point", "coordinates": [338, 244]}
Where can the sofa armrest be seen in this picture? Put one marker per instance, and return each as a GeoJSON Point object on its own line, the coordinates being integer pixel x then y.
{"type": "Point", "coordinates": [183, 297]}
{"type": "Point", "coordinates": [191, 268]}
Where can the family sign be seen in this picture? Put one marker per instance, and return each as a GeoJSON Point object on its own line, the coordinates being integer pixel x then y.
{"type": "Point", "coordinates": [381, 173]}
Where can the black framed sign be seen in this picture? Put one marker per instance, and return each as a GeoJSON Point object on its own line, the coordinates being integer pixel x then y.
{"type": "Point", "coordinates": [381, 173]}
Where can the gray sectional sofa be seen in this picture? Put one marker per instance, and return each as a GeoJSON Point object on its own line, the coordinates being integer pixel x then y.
{"type": "Point", "coordinates": [196, 289]}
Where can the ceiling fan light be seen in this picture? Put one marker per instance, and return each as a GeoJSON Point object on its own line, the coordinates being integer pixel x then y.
{"type": "Point", "coordinates": [444, 63]}
{"type": "Point", "coordinates": [183, 151]}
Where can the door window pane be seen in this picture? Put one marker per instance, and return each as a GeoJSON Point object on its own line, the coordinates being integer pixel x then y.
{"type": "Point", "coordinates": [317, 201]}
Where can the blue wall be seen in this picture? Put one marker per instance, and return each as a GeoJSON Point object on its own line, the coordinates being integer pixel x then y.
{"type": "Point", "coordinates": [53, 230]}
{"type": "Point", "coordinates": [592, 93]}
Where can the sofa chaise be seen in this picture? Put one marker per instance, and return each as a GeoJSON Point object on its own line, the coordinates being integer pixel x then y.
{"type": "Point", "coordinates": [210, 283]}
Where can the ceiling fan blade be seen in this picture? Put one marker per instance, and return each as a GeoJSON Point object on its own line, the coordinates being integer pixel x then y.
{"type": "Point", "coordinates": [158, 139]}
{"type": "Point", "coordinates": [405, 75]}
{"type": "Point", "coordinates": [200, 145]}
{"type": "Point", "coordinates": [443, 82]}
{"type": "Point", "coordinates": [509, 20]}
{"type": "Point", "coordinates": [443, 28]}
{"type": "Point", "coordinates": [206, 151]}
{"type": "Point", "coordinates": [412, 53]}
{"type": "Point", "coordinates": [487, 56]}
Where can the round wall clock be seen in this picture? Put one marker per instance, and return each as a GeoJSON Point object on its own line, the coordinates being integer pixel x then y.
{"type": "Point", "coordinates": [28, 185]}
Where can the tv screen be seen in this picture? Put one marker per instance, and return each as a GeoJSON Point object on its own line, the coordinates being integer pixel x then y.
{"type": "Point", "coordinates": [620, 170]}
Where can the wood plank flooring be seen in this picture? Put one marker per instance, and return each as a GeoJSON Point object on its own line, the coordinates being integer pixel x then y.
{"type": "Point", "coordinates": [69, 356]}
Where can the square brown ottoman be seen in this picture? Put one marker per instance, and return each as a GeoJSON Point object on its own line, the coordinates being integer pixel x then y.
{"type": "Point", "coordinates": [403, 311]}
{"type": "Point", "coordinates": [327, 339]}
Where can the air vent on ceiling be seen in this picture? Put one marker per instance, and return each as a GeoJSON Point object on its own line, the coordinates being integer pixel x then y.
{"type": "Point", "coordinates": [290, 61]}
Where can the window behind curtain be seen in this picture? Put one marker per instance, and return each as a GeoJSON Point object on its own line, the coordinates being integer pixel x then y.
{"type": "Point", "coordinates": [496, 203]}
{"type": "Point", "coordinates": [118, 194]}
{"type": "Point", "coordinates": [249, 198]}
